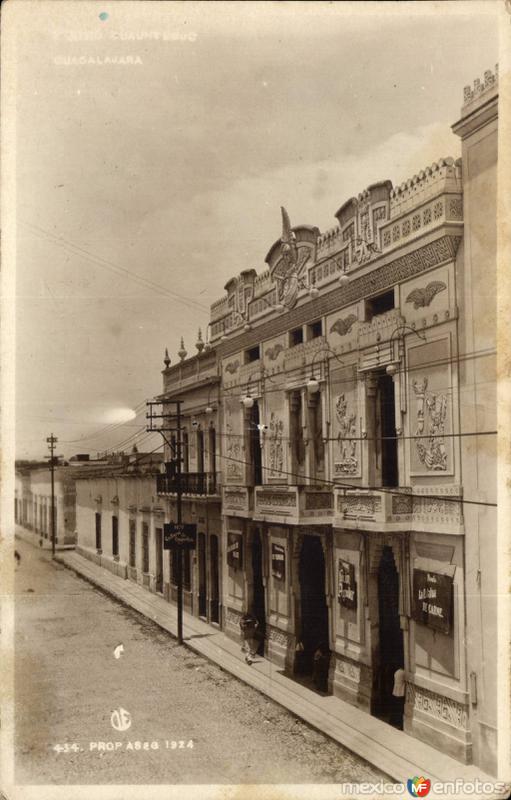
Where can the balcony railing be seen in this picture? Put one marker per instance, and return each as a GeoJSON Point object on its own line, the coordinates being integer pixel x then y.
{"type": "Point", "coordinates": [191, 483]}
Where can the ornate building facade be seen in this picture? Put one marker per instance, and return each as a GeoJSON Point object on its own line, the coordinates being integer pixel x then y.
{"type": "Point", "coordinates": [356, 371]}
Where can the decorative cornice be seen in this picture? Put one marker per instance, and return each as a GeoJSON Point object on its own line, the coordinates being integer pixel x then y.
{"type": "Point", "coordinates": [380, 278]}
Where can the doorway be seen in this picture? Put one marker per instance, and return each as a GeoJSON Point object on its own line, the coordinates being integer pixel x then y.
{"type": "Point", "coordinates": [203, 600]}
{"type": "Point", "coordinates": [314, 610]}
{"type": "Point", "coordinates": [258, 593]}
{"type": "Point", "coordinates": [214, 576]}
{"type": "Point", "coordinates": [255, 445]}
{"type": "Point", "coordinates": [159, 560]}
{"type": "Point", "coordinates": [391, 652]}
{"type": "Point", "coordinates": [386, 423]}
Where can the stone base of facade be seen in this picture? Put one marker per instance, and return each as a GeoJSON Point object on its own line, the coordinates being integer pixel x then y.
{"type": "Point", "coordinates": [351, 681]}
{"type": "Point", "coordinates": [231, 623]}
{"type": "Point", "coordinates": [118, 568]}
{"type": "Point", "coordinates": [440, 721]}
{"type": "Point", "coordinates": [280, 648]}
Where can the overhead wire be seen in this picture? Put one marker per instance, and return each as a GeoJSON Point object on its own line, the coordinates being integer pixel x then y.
{"type": "Point", "coordinates": [354, 487]}
{"type": "Point", "coordinates": [100, 261]}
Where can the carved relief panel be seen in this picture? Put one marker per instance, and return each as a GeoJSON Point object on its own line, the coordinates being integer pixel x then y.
{"type": "Point", "coordinates": [430, 392]}
{"type": "Point", "coordinates": [234, 469]}
{"type": "Point", "coordinates": [276, 437]}
{"type": "Point", "coordinates": [345, 424]}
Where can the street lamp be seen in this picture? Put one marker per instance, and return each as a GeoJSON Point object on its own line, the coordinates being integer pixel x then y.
{"type": "Point", "coordinates": [209, 408]}
{"type": "Point", "coordinates": [312, 384]}
{"type": "Point", "coordinates": [247, 400]}
{"type": "Point", "coordinates": [399, 332]}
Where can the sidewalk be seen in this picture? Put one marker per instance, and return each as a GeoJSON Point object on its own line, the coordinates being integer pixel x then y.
{"type": "Point", "coordinates": [394, 753]}
{"type": "Point", "coordinates": [32, 537]}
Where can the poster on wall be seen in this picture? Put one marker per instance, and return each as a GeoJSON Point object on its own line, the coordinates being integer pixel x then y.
{"type": "Point", "coordinates": [278, 561]}
{"type": "Point", "coordinates": [432, 600]}
{"type": "Point", "coordinates": [235, 550]}
{"type": "Point", "coordinates": [347, 594]}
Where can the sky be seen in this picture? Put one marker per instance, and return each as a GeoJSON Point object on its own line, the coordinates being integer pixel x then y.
{"type": "Point", "coordinates": [142, 187]}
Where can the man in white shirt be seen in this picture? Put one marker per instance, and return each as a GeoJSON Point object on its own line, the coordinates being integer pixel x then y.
{"type": "Point", "coordinates": [398, 698]}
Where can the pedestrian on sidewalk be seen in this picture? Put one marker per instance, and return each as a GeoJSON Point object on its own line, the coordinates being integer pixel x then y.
{"type": "Point", "coordinates": [321, 663]}
{"type": "Point", "coordinates": [249, 626]}
{"type": "Point", "coordinates": [398, 698]}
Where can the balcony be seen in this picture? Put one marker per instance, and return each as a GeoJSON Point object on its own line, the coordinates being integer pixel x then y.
{"type": "Point", "coordinates": [196, 483]}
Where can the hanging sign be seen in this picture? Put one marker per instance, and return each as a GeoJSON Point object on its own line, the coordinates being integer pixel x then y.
{"type": "Point", "coordinates": [235, 550]}
{"type": "Point", "coordinates": [347, 594]}
{"type": "Point", "coordinates": [278, 561]}
{"type": "Point", "coordinates": [184, 536]}
{"type": "Point", "coordinates": [432, 600]}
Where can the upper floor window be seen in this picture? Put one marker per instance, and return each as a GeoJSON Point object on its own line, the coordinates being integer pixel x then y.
{"type": "Point", "coordinates": [314, 330]}
{"type": "Point", "coordinates": [379, 304]}
{"type": "Point", "coordinates": [253, 354]}
{"type": "Point", "coordinates": [295, 337]}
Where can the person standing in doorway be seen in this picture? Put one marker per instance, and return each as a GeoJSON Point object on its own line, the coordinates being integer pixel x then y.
{"type": "Point", "coordinates": [398, 698]}
{"type": "Point", "coordinates": [249, 626]}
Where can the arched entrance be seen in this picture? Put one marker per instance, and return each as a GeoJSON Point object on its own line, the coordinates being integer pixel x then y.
{"type": "Point", "coordinates": [258, 595]}
{"type": "Point", "coordinates": [314, 628]}
{"type": "Point", "coordinates": [390, 651]}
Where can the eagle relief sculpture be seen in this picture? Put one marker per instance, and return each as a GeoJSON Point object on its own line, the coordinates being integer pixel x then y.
{"type": "Point", "coordinates": [291, 264]}
{"type": "Point", "coordinates": [273, 352]}
{"type": "Point", "coordinates": [422, 297]}
{"type": "Point", "coordinates": [343, 325]}
{"type": "Point", "coordinates": [346, 462]}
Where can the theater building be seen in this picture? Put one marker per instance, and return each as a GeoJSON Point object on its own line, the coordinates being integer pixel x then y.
{"type": "Point", "coordinates": [355, 371]}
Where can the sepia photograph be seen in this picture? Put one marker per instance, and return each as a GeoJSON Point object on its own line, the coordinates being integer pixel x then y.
{"type": "Point", "coordinates": [255, 400]}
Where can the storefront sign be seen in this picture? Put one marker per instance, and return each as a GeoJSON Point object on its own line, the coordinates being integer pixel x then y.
{"type": "Point", "coordinates": [184, 536]}
{"type": "Point", "coordinates": [235, 550]}
{"type": "Point", "coordinates": [432, 600]}
{"type": "Point", "coordinates": [347, 587]}
{"type": "Point", "coordinates": [278, 561]}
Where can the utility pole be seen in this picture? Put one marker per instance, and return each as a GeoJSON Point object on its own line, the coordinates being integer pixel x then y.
{"type": "Point", "coordinates": [52, 441]}
{"type": "Point", "coordinates": [176, 461]}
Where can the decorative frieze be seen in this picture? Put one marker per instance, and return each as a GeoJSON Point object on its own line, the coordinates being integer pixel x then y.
{"type": "Point", "coordinates": [438, 509]}
{"type": "Point", "coordinates": [276, 499]}
{"type": "Point", "coordinates": [437, 706]}
{"type": "Point", "coordinates": [277, 636]}
{"type": "Point", "coordinates": [402, 504]}
{"type": "Point", "coordinates": [359, 505]}
{"type": "Point", "coordinates": [235, 499]}
{"type": "Point", "coordinates": [232, 617]}
{"type": "Point", "coordinates": [348, 669]}
{"type": "Point", "coordinates": [379, 279]}
{"type": "Point", "coordinates": [318, 500]}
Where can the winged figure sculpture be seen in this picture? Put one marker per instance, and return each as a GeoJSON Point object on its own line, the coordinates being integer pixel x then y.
{"type": "Point", "coordinates": [423, 296]}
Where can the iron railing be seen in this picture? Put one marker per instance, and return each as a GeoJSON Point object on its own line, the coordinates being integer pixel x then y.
{"type": "Point", "coordinates": [191, 483]}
